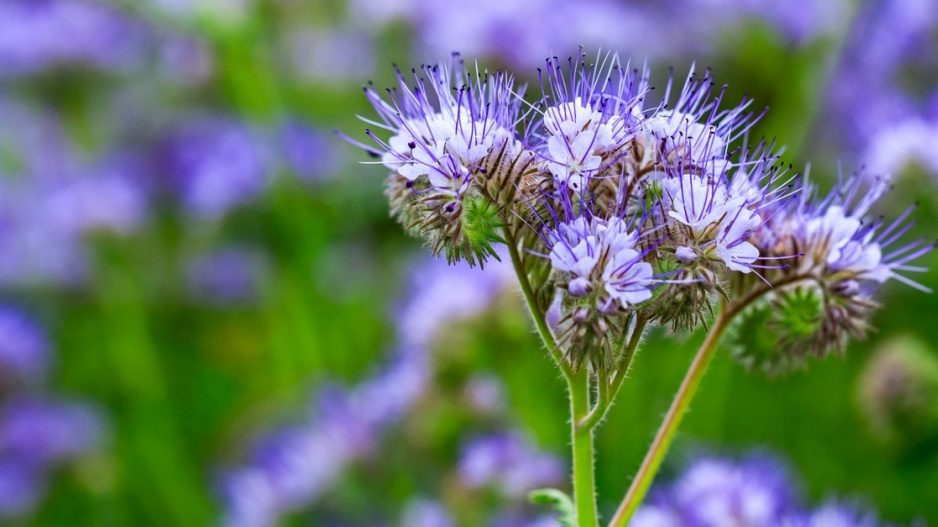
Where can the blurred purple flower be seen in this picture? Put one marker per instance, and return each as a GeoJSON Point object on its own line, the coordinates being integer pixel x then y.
{"type": "Point", "coordinates": [24, 348]}
{"type": "Point", "coordinates": [888, 40]}
{"type": "Point", "coordinates": [441, 292]}
{"type": "Point", "coordinates": [485, 393]}
{"type": "Point", "coordinates": [490, 29]}
{"type": "Point", "coordinates": [509, 463]}
{"type": "Point", "coordinates": [106, 198]}
{"type": "Point", "coordinates": [48, 431]}
{"type": "Point", "coordinates": [185, 60]}
{"type": "Point", "coordinates": [40, 35]}
{"type": "Point", "coordinates": [421, 512]}
{"type": "Point", "coordinates": [909, 142]}
{"type": "Point", "coordinates": [328, 55]}
{"type": "Point", "coordinates": [230, 276]}
{"type": "Point", "coordinates": [308, 152]}
{"type": "Point", "coordinates": [713, 492]}
{"type": "Point", "coordinates": [755, 492]}
{"type": "Point", "coordinates": [45, 220]}
{"type": "Point", "coordinates": [291, 467]}
{"type": "Point", "coordinates": [838, 515]}
{"type": "Point", "coordinates": [35, 435]}
{"type": "Point", "coordinates": [215, 165]}
{"type": "Point", "coordinates": [21, 487]}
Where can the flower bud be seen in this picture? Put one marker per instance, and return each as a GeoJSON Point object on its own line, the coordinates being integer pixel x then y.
{"type": "Point", "coordinates": [898, 392]}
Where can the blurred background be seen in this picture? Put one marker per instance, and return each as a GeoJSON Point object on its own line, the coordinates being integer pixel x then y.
{"type": "Point", "coordinates": [207, 317]}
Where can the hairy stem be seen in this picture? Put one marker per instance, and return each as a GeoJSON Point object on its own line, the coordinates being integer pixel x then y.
{"type": "Point", "coordinates": [672, 420]}
{"type": "Point", "coordinates": [584, 481]}
{"type": "Point", "coordinates": [609, 389]}
{"type": "Point", "coordinates": [536, 313]}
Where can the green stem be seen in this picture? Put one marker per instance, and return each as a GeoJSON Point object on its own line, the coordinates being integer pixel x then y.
{"type": "Point", "coordinates": [672, 420]}
{"type": "Point", "coordinates": [609, 390]}
{"type": "Point", "coordinates": [539, 321]}
{"type": "Point", "coordinates": [584, 480]}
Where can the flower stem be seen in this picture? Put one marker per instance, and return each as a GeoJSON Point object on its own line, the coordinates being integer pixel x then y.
{"type": "Point", "coordinates": [609, 389]}
{"type": "Point", "coordinates": [539, 321]}
{"type": "Point", "coordinates": [672, 420]}
{"type": "Point", "coordinates": [584, 484]}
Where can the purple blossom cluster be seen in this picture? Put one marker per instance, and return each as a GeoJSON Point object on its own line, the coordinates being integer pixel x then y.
{"type": "Point", "coordinates": [38, 432]}
{"type": "Point", "coordinates": [638, 209]}
{"type": "Point", "coordinates": [755, 491]}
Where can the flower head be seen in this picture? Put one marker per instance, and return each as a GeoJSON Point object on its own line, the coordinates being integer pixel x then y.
{"type": "Point", "coordinates": [838, 259]}
{"type": "Point", "coordinates": [452, 153]}
{"type": "Point", "coordinates": [712, 492]}
{"type": "Point", "coordinates": [586, 119]}
{"type": "Point", "coordinates": [599, 266]}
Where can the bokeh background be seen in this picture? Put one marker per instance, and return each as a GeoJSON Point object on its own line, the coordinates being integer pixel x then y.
{"type": "Point", "coordinates": [207, 317]}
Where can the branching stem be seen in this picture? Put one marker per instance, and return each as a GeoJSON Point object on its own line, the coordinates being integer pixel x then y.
{"type": "Point", "coordinates": [668, 430]}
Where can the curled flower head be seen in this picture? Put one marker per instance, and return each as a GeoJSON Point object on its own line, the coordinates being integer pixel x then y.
{"type": "Point", "coordinates": [839, 258]}
{"type": "Point", "coordinates": [600, 265]}
{"type": "Point", "coordinates": [453, 154]}
{"type": "Point", "coordinates": [693, 133]}
{"type": "Point", "coordinates": [585, 122]}
{"type": "Point", "coordinates": [601, 195]}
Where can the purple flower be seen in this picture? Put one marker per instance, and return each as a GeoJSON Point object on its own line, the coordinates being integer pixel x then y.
{"type": "Point", "coordinates": [837, 244]}
{"type": "Point", "coordinates": [24, 347]}
{"type": "Point", "coordinates": [426, 513]}
{"type": "Point", "coordinates": [308, 153]}
{"type": "Point", "coordinates": [46, 431]}
{"type": "Point", "coordinates": [715, 492]}
{"type": "Point", "coordinates": [37, 36]}
{"type": "Point", "coordinates": [292, 466]}
{"type": "Point", "coordinates": [909, 142]}
{"type": "Point", "coordinates": [230, 276]}
{"type": "Point", "coordinates": [590, 114]}
{"type": "Point", "coordinates": [508, 463]}
{"type": "Point", "coordinates": [45, 220]}
{"type": "Point", "coordinates": [888, 40]}
{"type": "Point", "coordinates": [445, 127]}
{"type": "Point", "coordinates": [21, 487]}
{"type": "Point", "coordinates": [601, 252]}
{"type": "Point", "coordinates": [441, 293]}
{"type": "Point", "coordinates": [215, 166]}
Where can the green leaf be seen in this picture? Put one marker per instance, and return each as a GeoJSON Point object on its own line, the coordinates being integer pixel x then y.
{"type": "Point", "coordinates": [560, 501]}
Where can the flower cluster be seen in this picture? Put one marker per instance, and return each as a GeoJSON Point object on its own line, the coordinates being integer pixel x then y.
{"type": "Point", "coordinates": [755, 491]}
{"type": "Point", "coordinates": [826, 292]}
{"type": "Point", "coordinates": [619, 209]}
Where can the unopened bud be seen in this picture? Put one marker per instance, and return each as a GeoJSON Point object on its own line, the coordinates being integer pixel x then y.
{"type": "Point", "coordinates": [898, 392]}
{"type": "Point", "coordinates": [580, 287]}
